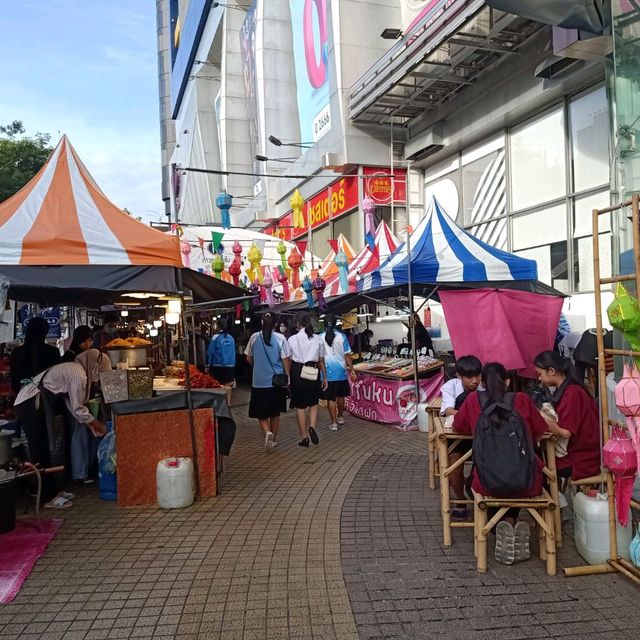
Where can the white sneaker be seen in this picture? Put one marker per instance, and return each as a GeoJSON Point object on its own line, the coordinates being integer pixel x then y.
{"type": "Point", "coordinates": [333, 427]}
{"type": "Point", "coordinates": [274, 443]}
{"type": "Point", "coordinates": [268, 441]}
{"type": "Point", "coordinates": [340, 420]}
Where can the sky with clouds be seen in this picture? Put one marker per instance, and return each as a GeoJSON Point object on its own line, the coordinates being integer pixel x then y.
{"type": "Point", "coordinates": [88, 68]}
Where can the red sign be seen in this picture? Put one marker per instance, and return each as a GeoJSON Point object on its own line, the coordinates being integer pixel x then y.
{"type": "Point", "coordinates": [380, 188]}
{"type": "Point", "coordinates": [281, 229]}
{"type": "Point", "coordinates": [344, 197]}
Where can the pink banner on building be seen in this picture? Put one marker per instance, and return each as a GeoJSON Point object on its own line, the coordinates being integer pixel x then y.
{"type": "Point", "coordinates": [506, 326]}
{"type": "Point", "coordinates": [392, 402]}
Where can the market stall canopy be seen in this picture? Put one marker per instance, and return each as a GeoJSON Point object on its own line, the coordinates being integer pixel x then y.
{"type": "Point", "coordinates": [61, 217]}
{"type": "Point", "coordinates": [64, 242]}
{"type": "Point", "coordinates": [442, 253]}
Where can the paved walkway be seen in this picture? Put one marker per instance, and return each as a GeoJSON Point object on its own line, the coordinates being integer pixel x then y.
{"type": "Point", "coordinates": [337, 542]}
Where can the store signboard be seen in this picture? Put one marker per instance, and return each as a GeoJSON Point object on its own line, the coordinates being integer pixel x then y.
{"type": "Point", "coordinates": [310, 31]}
{"type": "Point", "coordinates": [316, 211]}
{"type": "Point", "coordinates": [382, 189]}
{"type": "Point", "coordinates": [281, 229]}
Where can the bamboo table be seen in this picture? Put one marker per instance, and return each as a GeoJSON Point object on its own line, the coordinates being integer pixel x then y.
{"type": "Point", "coordinates": [446, 441]}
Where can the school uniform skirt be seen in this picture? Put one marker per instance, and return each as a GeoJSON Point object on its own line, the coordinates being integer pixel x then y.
{"type": "Point", "coordinates": [304, 393]}
{"type": "Point", "coordinates": [268, 402]}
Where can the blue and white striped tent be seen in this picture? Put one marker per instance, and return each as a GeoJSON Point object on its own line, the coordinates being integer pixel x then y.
{"type": "Point", "coordinates": [442, 252]}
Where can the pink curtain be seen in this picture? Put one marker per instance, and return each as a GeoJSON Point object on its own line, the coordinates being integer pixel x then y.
{"type": "Point", "coordinates": [502, 325]}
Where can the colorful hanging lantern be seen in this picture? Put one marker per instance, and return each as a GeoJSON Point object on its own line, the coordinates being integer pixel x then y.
{"type": "Point", "coordinates": [254, 289]}
{"type": "Point", "coordinates": [223, 202]}
{"type": "Point", "coordinates": [624, 315]}
{"type": "Point", "coordinates": [217, 265]}
{"type": "Point", "coordinates": [297, 202]}
{"type": "Point", "coordinates": [268, 288]}
{"type": "Point", "coordinates": [235, 268]}
{"type": "Point", "coordinates": [627, 393]}
{"type": "Point", "coordinates": [319, 286]}
{"type": "Point", "coordinates": [282, 250]}
{"type": "Point", "coordinates": [185, 249]}
{"type": "Point", "coordinates": [369, 207]}
{"type": "Point", "coordinates": [254, 255]}
{"type": "Point", "coordinates": [295, 262]}
{"type": "Point", "coordinates": [284, 281]}
{"type": "Point", "coordinates": [621, 454]}
{"type": "Point", "coordinates": [343, 269]}
{"type": "Point", "coordinates": [307, 287]}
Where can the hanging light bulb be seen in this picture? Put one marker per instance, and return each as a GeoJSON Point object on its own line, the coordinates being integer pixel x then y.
{"type": "Point", "coordinates": [157, 323]}
{"type": "Point", "coordinates": [124, 313]}
{"type": "Point", "coordinates": [153, 332]}
{"type": "Point", "coordinates": [174, 306]}
{"type": "Point", "coordinates": [172, 317]}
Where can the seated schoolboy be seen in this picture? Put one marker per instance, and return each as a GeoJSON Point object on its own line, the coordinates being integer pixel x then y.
{"type": "Point", "coordinates": [517, 471]}
{"type": "Point", "coordinates": [467, 380]}
{"type": "Point", "coordinates": [454, 392]}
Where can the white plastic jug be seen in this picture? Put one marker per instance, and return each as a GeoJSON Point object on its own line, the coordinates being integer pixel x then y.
{"type": "Point", "coordinates": [174, 483]}
{"type": "Point", "coordinates": [591, 521]}
{"type": "Point", "coordinates": [423, 418]}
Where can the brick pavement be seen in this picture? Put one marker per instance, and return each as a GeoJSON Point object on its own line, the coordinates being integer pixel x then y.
{"type": "Point", "coordinates": [403, 584]}
{"type": "Point", "coordinates": [264, 559]}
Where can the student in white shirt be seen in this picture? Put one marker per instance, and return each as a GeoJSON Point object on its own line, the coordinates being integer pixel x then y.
{"type": "Point", "coordinates": [454, 392]}
{"type": "Point", "coordinates": [307, 351]}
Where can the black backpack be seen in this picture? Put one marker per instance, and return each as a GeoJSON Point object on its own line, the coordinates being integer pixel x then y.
{"type": "Point", "coordinates": [503, 454]}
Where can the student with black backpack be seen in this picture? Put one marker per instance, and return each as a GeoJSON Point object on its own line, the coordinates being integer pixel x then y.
{"type": "Point", "coordinates": [504, 426]}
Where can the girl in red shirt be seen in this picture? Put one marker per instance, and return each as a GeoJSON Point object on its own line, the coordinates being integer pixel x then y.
{"type": "Point", "coordinates": [578, 419]}
{"type": "Point", "coordinates": [512, 539]}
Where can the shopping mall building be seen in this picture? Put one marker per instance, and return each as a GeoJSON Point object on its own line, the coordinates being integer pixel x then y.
{"type": "Point", "coordinates": [503, 118]}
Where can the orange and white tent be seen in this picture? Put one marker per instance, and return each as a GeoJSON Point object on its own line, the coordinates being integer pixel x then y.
{"type": "Point", "coordinates": [62, 241]}
{"type": "Point", "coordinates": [61, 217]}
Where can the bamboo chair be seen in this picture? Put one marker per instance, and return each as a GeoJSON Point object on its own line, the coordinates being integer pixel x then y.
{"type": "Point", "coordinates": [542, 508]}
{"type": "Point", "coordinates": [433, 410]}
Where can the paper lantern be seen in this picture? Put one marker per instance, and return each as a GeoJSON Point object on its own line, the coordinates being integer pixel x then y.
{"type": "Point", "coordinates": [282, 250]}
{"type": "Point", "coordinates": [235, 268]}
{"type": "Point", "coordinates": [254, 289]}
{"type": "Point", "coordinates": [319, 286]}
{"type": "Point", "coordinates": [297, 202]}
{"type": "Point", "coordinates": [268, 286]}
{"type": "Point", "coordinates": [185, 249]}
{"type": "Point", "coordinates": [307, 287]}
{"type": "Point", "coordinates": [217, 265]}
{"type": "Point", "coordinates": [343, 269]}
{"type": "Point", "coordinates": [254, 255]}
{"type": "Point", "coordinates": [284, 281]}
{"type": "Point", "coordinates": [627, 394]}
{"type": "Point", "coordinates": [223, 202]}
{"type": "Point", "coordinates": [295, 262]}
{"type": "Point", "coordinates": [369, 207]}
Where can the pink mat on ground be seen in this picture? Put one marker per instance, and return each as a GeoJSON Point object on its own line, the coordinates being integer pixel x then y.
{"type": "Point", "coordinates": [19, 550]}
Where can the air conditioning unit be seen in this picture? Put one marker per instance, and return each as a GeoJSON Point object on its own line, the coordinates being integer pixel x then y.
{"type": "Point", "coordinates": [429, 142]}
